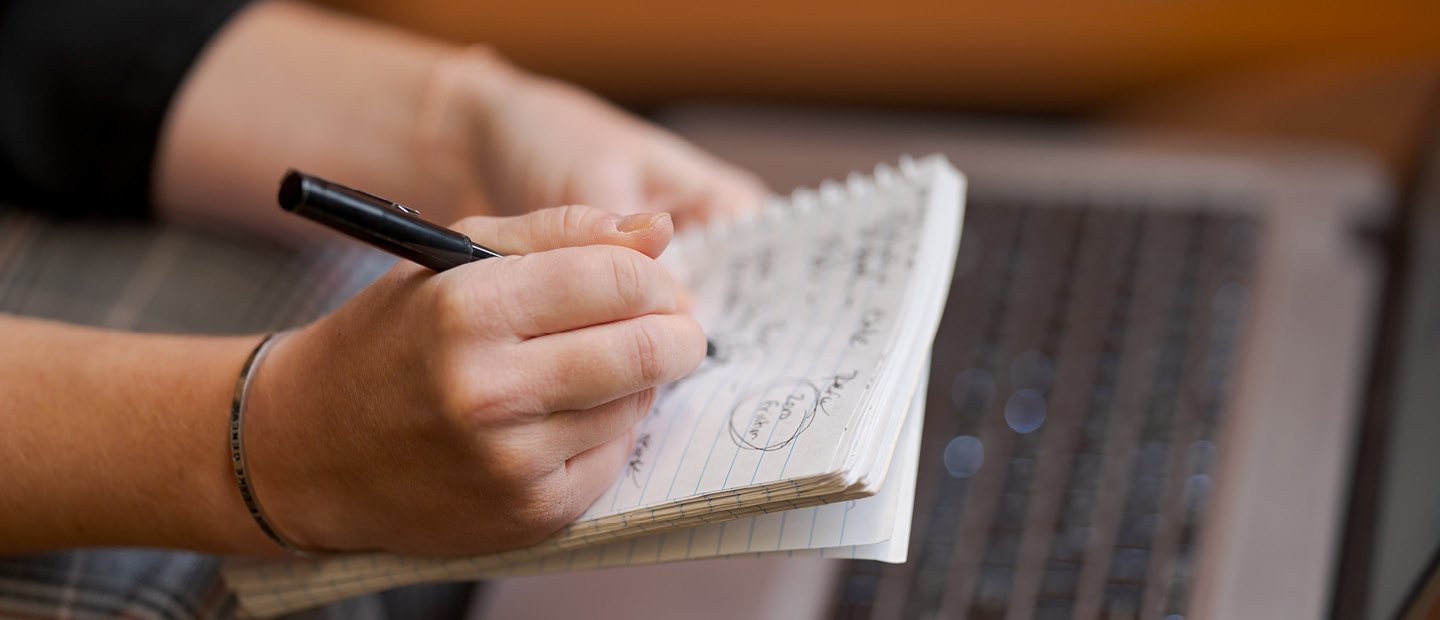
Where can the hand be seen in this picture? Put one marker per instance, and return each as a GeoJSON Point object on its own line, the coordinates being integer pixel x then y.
{"type": "Point", "coordinates": [514, 142]}
{"type": "Point", "coordinates": [478, 409]}
{"type": "Point", "coordinates": [451, 131]}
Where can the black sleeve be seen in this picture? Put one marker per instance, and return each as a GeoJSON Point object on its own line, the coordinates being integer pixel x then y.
{"type": "Point", "coordinates": [84, 86]}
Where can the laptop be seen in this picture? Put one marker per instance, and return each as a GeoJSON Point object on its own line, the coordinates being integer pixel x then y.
{"type": "Point", "coordinates": [1193, 320]}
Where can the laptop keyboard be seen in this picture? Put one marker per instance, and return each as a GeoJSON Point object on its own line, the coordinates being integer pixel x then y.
{"type": "Point", "coordinates": [1079, 380]}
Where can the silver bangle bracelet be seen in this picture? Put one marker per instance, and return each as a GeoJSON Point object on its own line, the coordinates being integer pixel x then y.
{"type": "Point", "coordinates": [237, 445]}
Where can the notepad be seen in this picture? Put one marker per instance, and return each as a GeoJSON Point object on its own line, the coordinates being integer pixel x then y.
{"type": "Point", "coordinates": [799, 436]}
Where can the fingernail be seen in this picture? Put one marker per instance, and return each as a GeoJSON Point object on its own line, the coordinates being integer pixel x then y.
{"type": "Point", "coordinates": [639, 221]}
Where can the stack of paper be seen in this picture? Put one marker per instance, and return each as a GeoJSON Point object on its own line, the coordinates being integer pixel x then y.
{"type": "Point", "coordinates": [822, 308]}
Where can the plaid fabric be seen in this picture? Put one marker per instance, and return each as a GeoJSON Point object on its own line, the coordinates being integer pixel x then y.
{"type": "Point", "coordinates": [143, 277]}
{"type": "Point", "coordinates": [113, 583]}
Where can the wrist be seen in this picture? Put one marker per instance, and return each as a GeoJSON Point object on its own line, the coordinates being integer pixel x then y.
{"type": "Point", "coordinates": [280, 478]}
{"type": "Point", "coordinates": [244, 476]}
{"type": "Point", "coordinates": [200, 508]}
{"type": "Point", "coordinates": [221, 518]}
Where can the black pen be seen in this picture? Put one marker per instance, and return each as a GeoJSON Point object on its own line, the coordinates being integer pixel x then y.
{"type": "Point", "coordinates": [387, 225]}
{"type": "Point", "coordinates": [390, 226]}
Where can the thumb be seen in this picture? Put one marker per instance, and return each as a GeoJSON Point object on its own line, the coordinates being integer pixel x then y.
{"type": "Point", "coordinates": [576, 225]}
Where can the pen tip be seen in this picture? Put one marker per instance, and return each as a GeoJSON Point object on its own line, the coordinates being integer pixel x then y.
{"type": "Point", "coordinates": [709, 349]}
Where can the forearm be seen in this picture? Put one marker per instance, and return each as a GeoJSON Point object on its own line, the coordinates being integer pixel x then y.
{"type": "Point", "coordinates": [290, 86]}
{"type": "Point", "coordinates": [118, 439]}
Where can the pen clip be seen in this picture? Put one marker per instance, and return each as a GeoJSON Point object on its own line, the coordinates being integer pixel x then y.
{"type": "Point", "coordinates": [404, 209]}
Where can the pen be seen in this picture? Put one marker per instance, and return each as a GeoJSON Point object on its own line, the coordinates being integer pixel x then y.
{"type": "Point", "coordinates": [390, 226]}
{"type": "Point", "coordinates": [387, 225]}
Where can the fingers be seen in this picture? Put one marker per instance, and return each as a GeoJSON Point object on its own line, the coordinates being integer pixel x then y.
{"type": "Point", "coordinates": [591, 472]}
{"type": "Point", "coordinates": [718, 201]}
{"type": "Point", "coordinates": [585, 368]}
{"type": "Point", "coordinates": [560, 227]}
{"type": "Point", "coordinates": [573, 432]}
{"type": "Point", "coordinates": [700, 186]}
{"type": "Point", "coordinates": [559, 290]}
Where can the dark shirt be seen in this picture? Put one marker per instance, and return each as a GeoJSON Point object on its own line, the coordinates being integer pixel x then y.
{"type": "Point", "coordinates": [84, 87]}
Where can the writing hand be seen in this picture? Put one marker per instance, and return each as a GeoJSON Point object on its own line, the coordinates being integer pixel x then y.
{"type": "Point", "coordinates": [477, 409]}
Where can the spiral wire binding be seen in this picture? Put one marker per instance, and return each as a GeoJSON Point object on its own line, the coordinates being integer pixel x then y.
{"type": "Point", "coordinates": [884, 177]}
{"type": "Point", "coordinates": [804, 202]}
{"type": "Point", "coordinates": [909, 168]}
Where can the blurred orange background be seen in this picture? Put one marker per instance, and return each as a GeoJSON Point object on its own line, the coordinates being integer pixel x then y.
{"type": "Point", "coordinates": [1358, 72]}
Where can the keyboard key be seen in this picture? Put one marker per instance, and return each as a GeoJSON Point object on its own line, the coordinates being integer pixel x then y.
{"type": "Point", "coordinates": [1084, 471]}
{"type": "Point", "coordinates": [1053, 610]}
{"type": "Point", "coordinates": [1002, 550]}
{"type": "Point", "coordinates": [992, 591]}
{"type": "Point", "coordinates": [1129, 565]}
{"type": "Point", "coordinates": [1059, 580]}
{"type": "Point", "coordinates": [1093, 436]}
{"type": "Point", "coordinates": [1137, 530]}
{"type": "Point", "coordinates": [1022, 472]}
{"type": "Point", "coordinates": [1196, 493]}
{"type": "Point", "coordinates": [1121, 601]}
{"type": "Point", "coordinates": [860, 588]}
{"type": "Point", "coordinates": [1012, 508]}
{"type": "Point", "coordinates": [1144, 494]}
{"type": "Point", "coordinates": [973, 391]}
{"type": "Point", "coordinates": [1152, 458]}
{"type": "Point", "coordinates": [1069, 545]}
{"type": "Point", "coordinates": [1077, 508]}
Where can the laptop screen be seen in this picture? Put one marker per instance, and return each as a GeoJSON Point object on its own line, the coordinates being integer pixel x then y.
{"type": "Point", "coordinates": [1394, 538]}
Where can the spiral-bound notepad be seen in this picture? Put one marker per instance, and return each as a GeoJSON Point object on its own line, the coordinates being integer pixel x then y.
{"type": "Point", "coordinates": [822, 307]}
